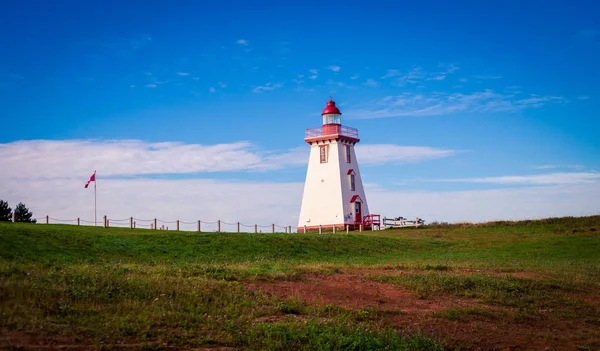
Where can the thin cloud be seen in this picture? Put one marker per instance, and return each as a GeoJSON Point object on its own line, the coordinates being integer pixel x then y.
{"type": "Point", "coordinates": [380, 154]}
{"type": "Point", "coordinates": [242, 42]}
{"type": "Point", "coordinates": [183, 74]}
{"type": "Point", "coordinates": [335, 68]}
{"type": "Point", "coordinates": [440, 77]}
{"type": "Point", "coordinates": [211, 90]}
{"type": "Point", "coordinates": [550, 178]}
{"type": "Point", "coordinates": [487, 77]}
{"type": "Point", "coordinates": [371, 83]}
{"type": "Point", "coordinates": [583, 98]}
{"type": "Point", "coordinates": [151, 85]}
{"type": "Point", "coordinates": [589, 34]}
{"type": "Point", "coordinates": [575, 167]}
{"type": "Point", "coordinates": [267, 87]}
{"type": "Point", "coordinates": [433, 104]}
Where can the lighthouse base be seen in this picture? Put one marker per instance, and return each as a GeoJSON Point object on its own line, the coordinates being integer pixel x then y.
{"type": "Point", "coordinates": [324, 228]}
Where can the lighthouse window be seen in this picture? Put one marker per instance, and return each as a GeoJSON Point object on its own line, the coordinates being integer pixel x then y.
{"type": "Point", "coordinates": [348, 154]}
{"type": "Point", "coordinates": [352, 186]}
{"type": "Point", "coordinates": [323, 153]}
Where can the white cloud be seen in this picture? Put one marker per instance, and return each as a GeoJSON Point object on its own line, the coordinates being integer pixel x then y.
{"type": "Point", "coordinates": [49, 176]}
{"type": "Point", "coordinates": [432, 104]}
{"type": "Point", "coordinates": [151, 85]}
{"type": "Point", "coordinates": [196, 78]}
{"type": "Point", "coordinates": [550, 178]}
{"type": "Point", "coordinates": [183, 74]}
{"type": "Point", "coordinates": [242, 42]}
{"type": "Point", "coordinates": [486, 205]}
{"type": "Point", "coordinates": [267, 87]}
{"type": "Point", "coordinates": [463, 80]}
{"type": "Point", "coordinates": [313, 71]}
{"type": "Point", "coordinates": [335, 68]}
{"type": "Point", "coordinates": [50, 159]}
{"type": "Point", "coordinates": [232, 201]}
{"type": "Point", "coordinates": [211, 90]}
{"type": "Point", "coordinates": [312, 77]}
{"type": "Point", "coordinates": [222, 85]}
{"type": "Point", "coordinates": [188, 200]}
{"type": "Point", "coordinates": [582, 98]}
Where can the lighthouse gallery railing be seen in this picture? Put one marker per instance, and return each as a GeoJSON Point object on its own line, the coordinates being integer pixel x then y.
{"type": "Point", "coordinates": [330, 129]}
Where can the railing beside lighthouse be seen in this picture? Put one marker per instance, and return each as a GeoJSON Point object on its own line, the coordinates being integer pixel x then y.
{"type": "Point", "coordinates": [332, 129]}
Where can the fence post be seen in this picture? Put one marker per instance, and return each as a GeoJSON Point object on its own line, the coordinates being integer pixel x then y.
{"type": "Point", "coordinates": [372, 227]}
{"type": "Point", "coordinates": [218, 225]}
{"type": "Point", "coordinates": [360, 228]}
{"type": "Point", "coordinates": [105, 222]}
{"type": "Point", "coordinates": [320, 229]}
{"type": "Point", "coordinates": [47, 219]}
{"type": "Point", "coordinates": [77, 220]}
{"type": "Point", "coordinates": [255, 228]}
{"type": "Point", "coordinates": [177, 225]}
{"type": "Point", "coordinates": [13, 217]}
{"type": "Point", "coordinates": [383, 222]}
{"type": "Point", "coordinates": [290, 230]}
{"type": "Point", "coordinates": [305, 229]}
{"type": "Point", "coordinates": [199, 227]}
{"type": "Point", "coordinates": [155, 224]}
{"type": "Point", "coordinates": [334, 228]}
{"type": "Point", "coordinates": [273, 227]}
{"type": "Point", "coordinates": [347, 228]}
{"type": "Point", "coordinates": [131, 222]}
{"type": "Point", "coordinates": [238, 227]}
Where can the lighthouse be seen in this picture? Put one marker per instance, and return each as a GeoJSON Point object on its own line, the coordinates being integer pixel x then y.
{"type": "Point", "coordinates": [334, 196]}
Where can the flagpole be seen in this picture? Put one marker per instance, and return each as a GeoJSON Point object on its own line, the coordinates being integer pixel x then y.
{"type": "Point", "coordinates": [95, 217]}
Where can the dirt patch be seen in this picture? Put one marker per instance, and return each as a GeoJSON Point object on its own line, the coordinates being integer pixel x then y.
{"type": "Point", "coordinates": [16, 340]}
{"type": "Point", "coordinates": [497, 330]}
{"type": "Point", "coordinates": [356, 293]}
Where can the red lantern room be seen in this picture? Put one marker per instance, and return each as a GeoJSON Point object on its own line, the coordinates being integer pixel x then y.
{"type": "Point", "coordinates": [331, 114]}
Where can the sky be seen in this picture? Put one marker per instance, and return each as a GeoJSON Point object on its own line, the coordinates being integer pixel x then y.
{"type": "Point", "coordinates": [196, 110]}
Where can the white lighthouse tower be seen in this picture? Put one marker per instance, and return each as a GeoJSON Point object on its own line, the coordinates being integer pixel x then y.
{"type": "Point", "coordinates": [333, 190]}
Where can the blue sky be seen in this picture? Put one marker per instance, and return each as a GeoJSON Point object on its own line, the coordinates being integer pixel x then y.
{"type": "Point", "coordinates": [447, 96]}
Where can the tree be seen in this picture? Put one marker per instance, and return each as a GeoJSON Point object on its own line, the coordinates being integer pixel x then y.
{"type": "Point", "coordinates": [22, 214]}
{"type": "Point", "coordinates": [5, 211]}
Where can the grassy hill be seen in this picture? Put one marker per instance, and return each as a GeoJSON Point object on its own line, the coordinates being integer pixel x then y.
{"type": "Point", "coordinates": [88, 287]}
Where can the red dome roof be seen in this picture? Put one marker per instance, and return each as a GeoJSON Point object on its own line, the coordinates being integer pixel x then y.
{"type": "Point", "coordinates": [331, 108]}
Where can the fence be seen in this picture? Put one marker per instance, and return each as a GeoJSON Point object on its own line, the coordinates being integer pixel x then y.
{"type": "Point", "coordinates": [157, 224]}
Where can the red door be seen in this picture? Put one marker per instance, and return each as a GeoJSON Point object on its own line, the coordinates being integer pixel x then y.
{"type": "Point", "coordinates": [357, 212]}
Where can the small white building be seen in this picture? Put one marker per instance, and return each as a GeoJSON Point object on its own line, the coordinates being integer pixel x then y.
{"type": "Point", "coordinates": [333, 191]}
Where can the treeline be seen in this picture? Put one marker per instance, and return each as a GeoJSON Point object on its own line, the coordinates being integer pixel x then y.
{"type": "Point", "coordinates": [21, 212]}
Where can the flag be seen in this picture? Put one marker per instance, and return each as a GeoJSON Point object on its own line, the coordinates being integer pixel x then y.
{"type": "Point", "coordinates": [92, 179]}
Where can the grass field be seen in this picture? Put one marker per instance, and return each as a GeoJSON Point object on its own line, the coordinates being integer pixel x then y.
{"type": "Point", "coordinates": [502, 285]}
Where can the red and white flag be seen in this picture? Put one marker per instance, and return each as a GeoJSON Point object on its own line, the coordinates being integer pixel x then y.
{"type": "Point", "coordinates": [92, 179]}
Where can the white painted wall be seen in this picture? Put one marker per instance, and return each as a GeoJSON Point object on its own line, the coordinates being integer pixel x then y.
{"type": "Point", "coordinates": [327, 194]}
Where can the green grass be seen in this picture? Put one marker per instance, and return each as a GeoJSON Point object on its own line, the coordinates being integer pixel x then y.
{"type": "Point", "coordinates": [115, 285]}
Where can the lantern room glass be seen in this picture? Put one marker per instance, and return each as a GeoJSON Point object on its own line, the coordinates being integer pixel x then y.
{"type": "Point", "coordinates": [332, 119]}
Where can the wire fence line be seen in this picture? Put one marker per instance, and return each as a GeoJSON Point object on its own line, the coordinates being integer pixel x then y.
{"type": "Point", "coordinates": [176, 225]}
